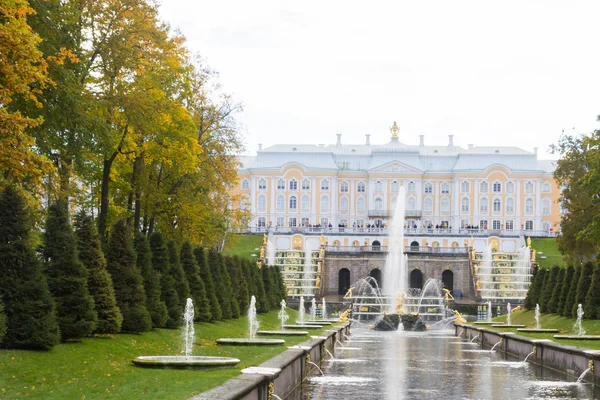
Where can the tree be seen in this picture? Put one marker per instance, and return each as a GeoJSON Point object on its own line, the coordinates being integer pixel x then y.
{"type": "Point", "coordinates": [181, 283]}
{"type": "Point", "coordinates": [156, 307]}
{"type": "Point", "coordinates": [570, 300]}
{"type": "Point", "coordinates": [235, 308]}
{"type": "Point", "coordinates": [549, 285]}
{"type": "Point", "coordinates": [535, 289]}
{"type": "Point", "coordinates": [564, 293]}
{"type": "Point", "coordinates": [592, 299]}
{"type": "Point", "coordinates": [552, 305]}
{"type": "Point", "coordinates": [263, 304]}
{"type": "Point", "coordinates": [160, 263]}
{"type": "Point", "coordinates": [219, 279]}
{"type": "Point", "coordinates": [270, 287]}
{"type": "Point", "coordinates": [100, 284]}
{"type": "Point", "coordinates": [127, 279]}
{"type": "Point", "coordinates": [238, 283]}
{"type": "Point", "coordinates": [2, 322]}
{"type": "Point", "coordinates": [206, 277]}
{"type": "Point", "coordinates": [585, 279]}
{"type": "Point", "coordinates": [197, 289]}
{"type": "Point", "coordinates": [31, 321]}
{"type": "Point", "coordinates": [278, 279]}
{"type": "Point", "coordinates": [248, 267]}
{"type": "Point", "coordinates": [67, 276]}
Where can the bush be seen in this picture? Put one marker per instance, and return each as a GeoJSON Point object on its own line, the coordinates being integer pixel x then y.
{"type": "Point", "coordinates": [535, 289]}
{"type": "Point", "coordinates": [2, 322]}
{"type": "Point", "coordinates": [570, 300]}
{"type": "Point", "coordinates": [206, 277]}
{"type": "Point", "coordinates": [127, 279]}
{"type": "Point", "coordinates": [160, 263]}
{"type": "Point", "coordinates": [67, 276]}
{"type": "Point", "coordinates": [552, 305]}
{"type": "Point", "coordinates": [566, 285]}
{"type": "Point", "coordinates": [31, 321]}
{"type": "Point", "coordinates": [585, 280]}
{"type": "Point", "coordinates": [591, 306]}
{"type": "Point", "coordinates": [197, 289]}
{"type": "Point", "coordinates": [181, 283]}
{"type": "Point", "coordinates": [100, 284]}
{"type": "Point", "coordinates": [549, 285]}
{"type": "Point", "coordinates": [239, 285]}
{"type": "Point", "coordinates": [220, 279]}
{"type": "Point", "coordinates": [156, 307]}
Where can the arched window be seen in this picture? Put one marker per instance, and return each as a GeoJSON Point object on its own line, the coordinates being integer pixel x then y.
{"type": "Point", "coordinates": [305, 184]}
{"type": "Point", "coordinates": [529, 206]}
{"type": "Point", "coordinates": [376, 282]}
{"type": "Point", "coordinates": [305, 203]}
{"type": "Point", "coordinates": [244, 202]}
{"type": "Point", "coordinates": [529, 187]}
{"type": "Point", "coordinates": [445, 205]}
{"type": "Point", "coordinates": [414, 245]}
{"type": "Point", "coordinates": [410, 187]}
{"type": "Point", "coordinates": [293, 184]}
{"type": "Point", "coordinates": [445, 188]}
{"type": "Point", "coordinates": [280, 184]}
{"type": "Point", "coordinates": [360, 204]}
{"type": "Point", "coordinates": [497, 187]}
{"type": "Point", "coordinates": [262, 184]}
{"type": "Point", "coordinates": [464, 205]}
{"type": "Point", "coordinates": [245, 184]}
{"type": "Point", "coordinates": [546, 187]}
{"type": "Point", "coordinates": [448, 280]}
{"type": "Point", "coordinates": [483, 187]}
{"type": "Point", "coordinates": [293, 203]}
{"type": "Point", "coordinates": [510, 187]}
{"type": "Point", "coordinates": [343, 281]}
{"type": "Point", "coordinates": [395, 186]}
{"type": "Point", "coordinates": [510, 205]}
{"type": "Point", "coordinates": [324, 203]}
{"type": "Point", "coordinates": [344, 204]}
{"type": "Point", "coordinates": [416, 279]}
{"type": "Point", "coordinates": [428, 188]}
{"type": "Point", "coordinates": [497, 205]}
{"type": "Point", "coordinates": [378, 204]}
{"type": "Point", "coordinates": [344, 187]}
{"type": "Point", "coordinates": [546, 206]}
{"type": "Point", "coordinates": [483, 205]}
{"type": "Point", "coordinates": [361, 187]}
{"type": "Point", "coordinates": [393, 202]}
{"type": "Point", "coordinates": [428, 205]}
{"type": "Point", "coordinates": [411, 203]}
{"type": "Point", "coordinates": [262, 202]}
{"type": "Point", "coordinates": [324, 184]}
{"type": "Point", "coordinates": [465, 187]}
{"type": "Point", "coordinates": [280, 203]}
{"type": "Point", "coordinates": [378, 187]}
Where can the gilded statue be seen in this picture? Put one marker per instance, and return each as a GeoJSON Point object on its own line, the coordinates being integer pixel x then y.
{"type": "Point", "coordinates": [448, 296]}
{"type": "Point", "coordinates": [318, 283]}
{"type": "Point", "coordinates": [344, 317]}
{"type": "Point", "coordinates": [348, 294]}
{"type": "Point", "coordinates": [262, 252]}
{"type": "Point", "coordinates": [322, 240]}
{"type": "Point", "coordinates": [394, 130]}
{"type": "Point", "coordinates": [529, 241]}
{"type": "Point", "coordinates": [400, 303]}
{"type": "Point", "coordinates": [458, 319]}
{"type": "Point", "coordinates": [478, 284]}
{"type": "Point", "coordinates": [471, 241]}
{"type": "Point", "coordinates": [322, 252]}
{"type": "Point", "coordinates": [533, 253]}
{"type": "Point", "coordinates": [319, 266]}
{"type": "Point", "coordinates": [265, 238]}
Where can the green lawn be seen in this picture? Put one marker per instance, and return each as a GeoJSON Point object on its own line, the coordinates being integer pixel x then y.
{"type": "Point", "coordinates": [547, 247]}
{"type": "Point", "coordinates": [243, 245]}
{"type": "Point", "coordinates": [564, 325]}
{"type": "Point", "coordinates": [101, 368]}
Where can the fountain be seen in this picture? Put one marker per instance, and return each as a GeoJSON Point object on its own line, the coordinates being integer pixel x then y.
{"type": "Point", "coordinates": [186, 361]}
{"type": "Point", "coordinates": [300, 323]}
{"type": "Point", "coordinates": [270, 252]}
{"type": "Point", "coordinates": [579, 330]}
{"type": "Point", "coordinates": [253, 325]}
{"type": "Point", "coordinates": [497, 343]}
{"type": "Point", "coordinates": [584, 373]}
{"type": "Point", "coordinates": [395, 275]}
{"type": "Point", "coordinates": [301, 310]}
{"type": "Point", "coordinates": [324, 309]}
{"type": "Point", "coordinates": [538, 325]}
{"type": "Point", "coordinates": [488, 320]}
{"type": "Point", "coordinates": [313, 310]}
{"type": "Point", "coordinates": [283, 317]}
{"type": "Point", "coordinates": [509, 324]}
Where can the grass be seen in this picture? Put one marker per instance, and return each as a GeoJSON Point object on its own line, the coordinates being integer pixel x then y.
{"type": "Point", "coordinates": [564, 325]}
{"type": "Point", "coordinates": [243, 245]}
{"type": "Point", "coordinates": [549, 249]}
{"type": "Point", "coordinates": [101, 368]}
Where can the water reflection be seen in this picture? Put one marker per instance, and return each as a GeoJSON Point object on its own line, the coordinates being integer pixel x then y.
{"type": "Point", "coordinates": [410, 365]}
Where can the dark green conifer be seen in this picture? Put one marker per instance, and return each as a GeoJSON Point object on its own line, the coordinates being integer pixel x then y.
{"type": "Point", "coordinates": [219, 279]}
{"type": "Point", "coordinates": [181, 283]}
{"type": "Point", "coordinates": [160, 262]}
{"type": "Point", "coordinates": [197, 289]}
{"type": "Point", "coordinates": [209, 285]}
{"type": "Point", "coordinates": [566, 285]}
{"type": "Point", "coordinates": [127, 279]}
{"type": "Point", "coordinates": [270, 288]}
{"type": "Point", "coordinates": [552, 305]}
{"type": "Point", "coordinates": [2, 322]}
{"type": "Point", "coordinates": [263, 304]}
{"type": "Point", "coordinates": [278, 279]}
{"type": "Point", "coordinates": [585, 280]}
{"type": "Point", "coordinates": [100, 284]}
{"type": "Point", "coordinates": [572, 293]}
{"type": "Point", "coordinates": [549, 285]}
{"type": "Point", "coordinates": [31, 321]}
{"type": "Point", "coordinates": [231, 266]}
{"type": "Point", "coordinates": [248, 266]}
{"type": "Point", "coordinates": [535, 289]}
{"type": "Point", "coordinates": [591, 307]}
{"type": "Point", "coordinates": [67, 276]}
{"type": "Point", "coordinates": [155, 305]}
{"type": "Point", "coordinates": [238, 283]}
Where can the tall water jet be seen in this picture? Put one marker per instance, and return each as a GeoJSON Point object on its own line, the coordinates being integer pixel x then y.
{"type": "Point", "coordinates": [283, 316]}
{"type": "Point", "coordinates": [301, 311]}
{"type": "Point", "coordinates": [324, 310]}
{"type": "Point", "coordinates": [508, 311]}
{"type": "Point", "coordinates": [489, 311]}
{"type": "Point", "coordinates": [307, 272]}
{"type": "Point", "coordinates": [313, 310]}
{"type": "Point", "coordinates": [252, 321]}
{"type": "Point", "coordinates": [188, 328]}
{"type": "Point", "coordinates": [395, 271]}
{"type": "Point", "coordinates": [578, 327]}
{"type": "Point", "coordinates": [270, 252]}
{"type": "Point", "coordinates": [485, 268]}
{"type": "Point", "coordinates": [537, 317]}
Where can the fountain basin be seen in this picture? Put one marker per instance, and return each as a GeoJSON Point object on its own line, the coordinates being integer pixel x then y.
{"type": "Point", "coordinates": [303, 326]}
{"type": "Point", "coordinates": [541, 330]}
{"type": "Point", "coordinates": [576, 337]}
{"type": "Point", "coordinates": [249, 342]}
{"type": "Point", "coordinates": [315, 323]}
{"type": "Point", "coordinates": [487, 323]}
{"type": "Point", "coordinates": [282, 333]}
{"type": "Point", "coordinates": [183, 362]}
{"type": "Point", "coordinates": [507, 326]}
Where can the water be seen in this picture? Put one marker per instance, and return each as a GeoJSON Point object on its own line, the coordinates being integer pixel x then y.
{"type": "Point", "coordinates": [395, 275]}
{"type": "Point", "coordinates": [252, 321]}
{"type": "Point", "coordinates": [301, 311]}
{"type": "Point", "coordinates": [537, 317]}
{"type": "Point", "coordinates": [270, 253]}
{"type": "Point", "coordinates": [283, 315]}
{"type": "Point", "coordinates": [307, 275]}
{"type": "Point", "coordinates": [403, 365]}
{"type": "Point", "coordinates": [313, 310]}
{"type": "Point", "coordinates": [583, 374]}
{"type": "Point", "coordinates": [528, 355]}
{"type": "Point", "coordinates": [497, 343]}
{"type": "Point", "coordinates": [489, 311]}
{"type": "Point", "coordinates": [485, 271]}
{"type": "Point", "coordinates": [188, 328]}
{"type": "Point", "coordinates": [324, 309]}
{"type": "Point", "coordinates": [508, 311]}
{"type": "Point", "coordinates": [578, 327]}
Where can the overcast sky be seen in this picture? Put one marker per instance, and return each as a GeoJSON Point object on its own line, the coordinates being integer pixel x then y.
{"type": "Point", "coordinates": [506, 73]}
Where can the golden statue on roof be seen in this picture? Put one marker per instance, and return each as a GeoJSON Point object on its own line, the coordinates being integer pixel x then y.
{"type": "Point", "coordinates": [394, 130]}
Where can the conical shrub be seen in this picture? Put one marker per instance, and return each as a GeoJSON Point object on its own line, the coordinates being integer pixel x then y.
{"type": "Point", "coordinates": [585, 280]}
{"type": "Point", "coordinates": [566, 285]}
{"type": "Point", "coordinates": [156, 307]}
{"type": "Point", "coordinates": [181, 283]}
{"type": "Point", "coordinates": [197, 289]}
{"type": "Point", "coordinates": [591, 306]}
{"type": "Point", "coordinates": [552, 305]}
{"type": "Point", "coordinates": [570, 301]}
{"type": "Point", "coordinates": [160, 262]}
{"type": "Point", "coordinates": [206, 277]}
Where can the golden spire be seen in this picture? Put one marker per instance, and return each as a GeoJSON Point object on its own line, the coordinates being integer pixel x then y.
{"type": "Point", "coordinates": [394, 130]}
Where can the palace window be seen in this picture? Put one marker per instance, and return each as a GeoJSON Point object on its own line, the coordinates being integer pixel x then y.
{"type": "Point", "coordinates": [428, 205]}
{"type": "Point", "coordinates": [497, 205]}
{"type": "Point", "coordinates": [464, 205]}
{"type": "Point", "coordinates": [280, 203]}
{"type": "Point", "coordinates": [483, 224]}
{"type": "Point", "coordinates": [305, 203]}
{"type": "Point", "coordinates": [324, 184]}
{"type": "Point", "coordinates": [324, 203]}
{"type": "Point", "coordinates": [262, 202]}
{"type": "Point", "coordinates": [305, 184]}
{"type": "Point", "coordinates": [344, 187]}
{"type": "Point", "coordinates": [361, 187]}
{"type": "Point", "coordinates": [483, 205]}
{"type": "Point", "coordinates": [496, 224]}
{"type": "Point", "coordinates": [411, 187]}
{"type": "Point", "coordinates": [510, 205]}
{"type": "Point", "coordinates": [293, 184]}
{"type": "Point", "coordinates": [293, 203]}
{"type": "Point", "coordinates": [483, 187]}
{"type": "Point", "coordinates": [262, 222]}
{"type": "Point", "coordinates": [510, 187]}
{"type": "Point", "coordinates": [280, 221]}
{"type": "Point", "coordinates": [305, 221]}
{"type": "Point", "coordinates": [465, 187]}
{"type": "Point", "coordinates": [445, 205]}
{"type": "Point", "coordinates": [245, 184]}
{"type": "Point", "coordinates": [464, 223]}
{"type": "Point", "coordinates": [411, 203]}
{"type": "Point", "coordinates": [280, 184]}
{"type": "Point", "coordinates": [529, 225]}
{"type": "Point", "coordinates": [378, 204]}
{"type": "Point", "coordinates": [546, 188]}
{"type": "Point", "coordinates": [378, 187]}
{"type": "Point", "coordinates": [344, 205]}
{"type": "Point", "coordinates": [428, 188]}
{"type": "Point", "coordinates": [497, 187]}
{"type": "Point", "coordinates": [262, 184]}
{"type": "Point", "coordinates": [393, 203]}
{"type": "Point", "coordinates": [360, 204]}
{"type": "Point", "coordinates": [529, 187]}
{"type": "Point", "coordinates": [546, 206]}
{"type": "Point", "coordinates": [445, 188]}
{"type": "Point", "coordinates": [529, 206]}
{"type": "Point", "coordinates": [509, 225]}
{"type": "Point", "coordinates": [395, 187]}
{"type": "Point", "coordinates": [293, 221]}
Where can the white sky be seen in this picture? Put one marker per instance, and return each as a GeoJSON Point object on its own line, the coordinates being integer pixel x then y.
{"type": "Point", "coordinates": [506, 73]}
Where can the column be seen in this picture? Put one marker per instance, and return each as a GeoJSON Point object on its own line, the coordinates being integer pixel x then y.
{"type": "Point", "coordinates": [538, 204]}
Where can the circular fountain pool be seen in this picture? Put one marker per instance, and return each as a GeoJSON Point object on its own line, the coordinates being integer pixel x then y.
{"type": "Point", "coordinates": [191, 362]}
{"type": "Point", "coordinates": [250, 342]}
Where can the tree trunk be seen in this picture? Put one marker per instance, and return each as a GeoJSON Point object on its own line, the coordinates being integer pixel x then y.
{"type": "Point", "coordinates": [103, 214]}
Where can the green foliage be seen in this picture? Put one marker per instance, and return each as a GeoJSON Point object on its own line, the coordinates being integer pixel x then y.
{"type": "Point", "coordinates": [206, 277]}
{"type": "Point", "coordinates": [181, 283]}
{"type": "Point", "coordinates": [280, 289]}
{"type": "Point", "coordinates": [585, 280]}
{"type": "Point", "coordinates": [127, 279]}
{"type": "Point", "coordinates": [197, 289]}
{"type": "Point", "coordinates": [570, 299]}
{"type": "Point", "coordinates": [552, 305]}
{"type": "Point", "coordinates": [2, 322]}
{"type": "Point", "coordinates": [100, 284]}
{"type": "Point", "coordinates": [548, 289]}
{"type": "Point", "coordinates": [31, 321]}
{"type": "Point", "coordinates": [160, 262]}
{"type": "Point", "coordinates": [566, 285]}
{"type": "Point", "coordinates": [270, 287]}
{"type": "Point", "coordinates": [239, 284]}
{"type": "Point", "coordinates": [263, 303]}
{"type": "Point", "coordinates": [535, 289]}
{"type": "Point", "coordinates": [67, 276]}
{"type": "Point", "coordinates": [231, 268]}
{"type": "Point", "coordinates": [156, 307]}
{"type": "Point", "coordinates": [247, 267]}
{"type": "Point", "coordinates": [220, 280]}
{"type": "Point", "coordinates": [591, 306]}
